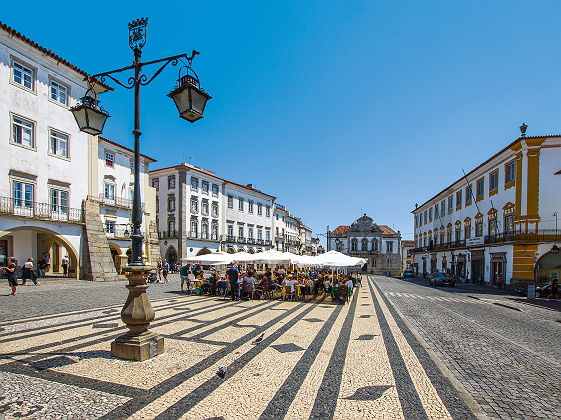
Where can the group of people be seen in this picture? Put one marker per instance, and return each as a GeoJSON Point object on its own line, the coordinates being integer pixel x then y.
{"type": "Point", "coordinates": [28, 270]}
{"type": "Point", "coordinates": [164, 268]}
{"type": "Point", "coordinates": [249, 284]}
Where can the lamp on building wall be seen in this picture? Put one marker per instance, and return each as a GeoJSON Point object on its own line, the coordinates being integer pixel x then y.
{"type": "Point", "coordinates": [139, 343]}
{"type": "Point", "coordinates": [555, 249]}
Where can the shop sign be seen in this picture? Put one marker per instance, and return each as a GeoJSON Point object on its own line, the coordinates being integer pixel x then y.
{"type": "Point", "coordinates": [474, 241]}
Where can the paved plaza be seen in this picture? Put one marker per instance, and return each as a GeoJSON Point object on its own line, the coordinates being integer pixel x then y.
{"type": "Point", "coordinates": [397, 350]}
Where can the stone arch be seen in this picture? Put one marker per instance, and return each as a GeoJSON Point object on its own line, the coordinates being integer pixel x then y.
{"type": "Point", "coordinates": [73, 254]}
{"type": "Point", "coordinates": [230, 250]}
{"type": "Point", "coordinates": [260, 250]}
{"type": "Point", "coordinates": [547, 264]}
{"type": "Point", "coordinates": [240, 249]}
{"type": "Point", "coordinates": [116, 256]}
{"type": "Point", "coordinates": [251, 250]}
{"type": "Point", "coordinates": [171, 254]}
{"type": "Point", "coordinates": [204, 251]}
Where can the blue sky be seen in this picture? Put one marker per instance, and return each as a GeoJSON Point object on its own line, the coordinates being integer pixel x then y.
{"type": "Point", "coordinates": [333, 107]}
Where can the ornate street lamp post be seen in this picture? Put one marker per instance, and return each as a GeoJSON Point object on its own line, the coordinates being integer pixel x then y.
{"type": "Point", "coordinates": [139, 343]}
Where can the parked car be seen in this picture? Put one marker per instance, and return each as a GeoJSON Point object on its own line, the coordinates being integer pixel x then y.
{"type": "Point", "coordinates": [408, 273]}
{"type": "Point", "coordinates": [441, 279]}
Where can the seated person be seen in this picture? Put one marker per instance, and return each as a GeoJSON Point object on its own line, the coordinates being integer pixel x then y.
{"type": "Point", "coordinates": [248, 284]}
{"type": "Point", "coordinates": [327, 285]}
{"type": "Point", "coordinates": [290, 281]}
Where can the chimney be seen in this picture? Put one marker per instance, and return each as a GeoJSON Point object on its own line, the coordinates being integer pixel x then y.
{"type": "Point", "coordinates": [249, 185]}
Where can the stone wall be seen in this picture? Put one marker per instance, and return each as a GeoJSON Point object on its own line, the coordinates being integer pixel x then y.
{"type": "Point", "coordinates": [153, 243]}
{"type": "Point", "coordinates": [97, 262]}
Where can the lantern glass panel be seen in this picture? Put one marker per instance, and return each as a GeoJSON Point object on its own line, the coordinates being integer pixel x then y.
{"type": "Point", "coordinates": [198, 101]}
{"type": "Point", "coordinates": [96, 121]}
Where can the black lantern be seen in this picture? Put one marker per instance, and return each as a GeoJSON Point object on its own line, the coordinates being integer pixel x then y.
{"type": "Point", "coordinates": [126, 233]}
{"type": "Point", "coordinates": [189, 98]}
{"type": "Point", "coordinates": [89, 116]}
{"type": "Point", "coordinates": [555, 249]}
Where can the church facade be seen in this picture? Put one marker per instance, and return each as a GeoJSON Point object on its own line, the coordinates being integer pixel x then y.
{"type": "Point", "coordinates": [380, 245]}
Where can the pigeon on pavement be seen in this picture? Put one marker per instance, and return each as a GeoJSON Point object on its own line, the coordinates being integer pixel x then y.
{"type": "Point", "coordinates": [221, 371]}
{"type": "Point", "coordinates": [258, 339]}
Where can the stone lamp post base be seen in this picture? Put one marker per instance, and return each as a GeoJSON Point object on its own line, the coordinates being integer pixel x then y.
{"type": "Point", "coordinates": [138, 343]}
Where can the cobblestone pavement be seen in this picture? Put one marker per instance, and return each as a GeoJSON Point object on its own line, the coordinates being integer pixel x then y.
{"type": "Point", "coordinates": [316, 360]}
{"type": "Point", "coordinates": [505, 353]}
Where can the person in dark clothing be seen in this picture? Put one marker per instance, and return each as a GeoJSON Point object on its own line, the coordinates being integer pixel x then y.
{"type": "Point", "coordinates": [12, 279]}
{"type": "Point", "coordinates": [233, 276]}
{"type": "Point", "coordinates": [554, 290]}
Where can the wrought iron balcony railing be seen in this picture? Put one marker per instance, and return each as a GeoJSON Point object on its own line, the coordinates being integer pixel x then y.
{"type": "Point", "coordinates": [168, 234]}
{"type": "Point", "coordinates": [121, 202]}
{"type": "Point", "coordinates": [42, 211]}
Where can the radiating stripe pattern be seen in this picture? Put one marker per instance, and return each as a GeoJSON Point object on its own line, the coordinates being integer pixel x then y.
{"type": "Point", "coordinates": [317, 359]}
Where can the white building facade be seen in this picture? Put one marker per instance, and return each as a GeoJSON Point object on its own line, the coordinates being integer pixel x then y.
{"type": "Point", "coordinates": [496, 225]}
{"type": "Point", "coordinates": [199, 212]}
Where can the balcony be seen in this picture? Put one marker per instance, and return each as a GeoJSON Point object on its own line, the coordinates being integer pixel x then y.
{"type": "Point", "coordinates": [118, 233]}
{"type": "Point", "coordinates": [540, 235]}
{"type": "Point", "coordinates": [230, 238]}
{"type": "Point", "coordinates": [370, 252]}
{"type": "Point", "coordinates": [39, 211]}
{"type": "Point", "coordinates": [268, 242]}
{"type": "Point", "coordinates": [250, 240]}
{"type": "Point", "coordinates": [168, 234]}
{"type": "Point", "coordinates": [241, 240]}
{"type": "Point", "coordinates": [120, 202]}
{"type": "Point", "coordinates": [204, 236]}
{"type": "Point", "coordinates": [259, 242]}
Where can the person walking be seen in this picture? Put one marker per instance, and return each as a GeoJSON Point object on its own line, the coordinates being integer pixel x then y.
{"type": "Point", "coordinates": [12, 278]}
{"type": "Point", "coordinates": [27, 273]}
{"type": "Point", "coordinates": [41, 267]}
{"type": "Point", "coordinates": [165, 270]}
{"type": "Point", "coordinates": [554, 290]}
{"type": "Point", "coordinates": [233, 276]}
{"type": "Point", "coordinates": [159, 268]}
{"type": "Point", "coordinates": [65, 263]}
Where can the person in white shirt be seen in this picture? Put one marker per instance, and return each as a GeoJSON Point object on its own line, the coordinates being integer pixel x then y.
{"type": "Point", "coordinates": [291, 282]}
{"type": "Point", "coordinates": [28, 272]}
{"type": "Point", "coordinates": [350, 283]}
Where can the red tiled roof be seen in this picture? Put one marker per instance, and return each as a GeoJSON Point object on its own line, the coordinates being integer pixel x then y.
{"type": "Point", "coordinates": [126, 148]}
{"type": "Point", "coordinates": [340, 230]}
{"type": "Point", "coordinates": [46, 52]}
{"type": "Point", "coordinates": [386, 230]}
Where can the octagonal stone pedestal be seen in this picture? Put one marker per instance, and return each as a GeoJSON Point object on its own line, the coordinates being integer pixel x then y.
{"type": "Point", "coordinates": [138, 343]}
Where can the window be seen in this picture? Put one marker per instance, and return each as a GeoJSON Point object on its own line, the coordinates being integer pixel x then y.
{"type": "Point", "coordinates": [250, 206]}
{"type": "Point", "coordinates": [458, 234]}
{"type": "Point", "coordinates": [59, 93]}
{"type": "Point", "coordinates": [204, 230]}
{"type": "Point", "coordinates": [23, 132]}
{"type": "Point", "coordinates": [493, 181]}
{"type": "Point", "coordinates": [59, 201]}
{"type": "Point", "coordinates": [230, 202]}
{"type": "Point", "coordinates": [267, 211]}
{"type": "Point", "coordinates": [425, 216]}
{"type": "Point", "coordinates": [364, 244]}
{"type": "Point", "coordinates": [110, 226]}
{"type": "Point", "coordinates": [479, 228]}
{"type": "Point", "coordinates": [157, 204]}
{"type": "Point", "coordinates": [194, 228]}
{"type": "Point", "coordinates": [441, 237]}
{"type": "Point", "coordinates": [194, 206]}
{"type": "Point", "coordinates": [354, 244]}
{"type": "Point", "coordinates": [389, 247]}
{"type": "Point", "coordinates": [109, 159]}
{"type": "Point", "coordinates": [250, 233]}
{"type": "Point", "coordinates": [131, 164]}
{"type": "Point", "coordinates": [467, 231]}
{"type": "Point", "coordinates": [459, 199]}
{"type": "Point", "coordinates": [509, 224]}
{"type": "Point", "coordinates": [171, 226]}
{"type": "Point", "coordinates": [480, 189]}
{"type": "Point", "coordinates": [109, 191]}
{"type": "Point", "coordinates": [171, 182]}
{"type": "Point", "coordinates": [449, 235]}
{"type": "Point", "coordinates": [214, 209]}
{"type": "Point", "coordinates": [430, 214]}
{"type": "Point", "coordinates": [171, 202]}
{"type": "Point", "coordinates": [240, 231]}
{"type": "Point", "coordinates": [259, 234]}
{"type": "Point", "coordinates": [450, 204]}
{"type": "Point", "coordinates": [436, 215]}
{"type": "Point", "coordinates": [59, 144]}
{"type": "Point", "coordinates": [23, 194]}
{"type": "Point", "coordinates": [240, 203]}
{"type": "Point", "coordinates": [374, 244]}
{"type": "Point", "coordinates": [156, 184]}
{"type": "Point", "coordinates": [215, 190]}
{"type": "Point", "coordinates": [23, 75]}
{"type": "Point", "coordinates": [204, 207]}
{"type": "Point", "coordinates": [214, 232]}
{"type": "Point", "coordinates": [194, 183]}
{"type": "Point", "coordinates": [259, 209]}
{"type": "Point", "coordinates": [267, 235]}
{"type": "Point", "coordinates": [443, 207]}
{"type": "Point", "coordinates": [510, 172]}
{"type": "Point", "coordinates": [230, 230]}
{"type": "Point", "coordinates": [204, 187]}
{"type": "Point", "coordinates": [468, 194]}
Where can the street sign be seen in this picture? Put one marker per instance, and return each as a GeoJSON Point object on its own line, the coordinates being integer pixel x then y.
{"type": "Point", "coordinates": [474, 241]}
